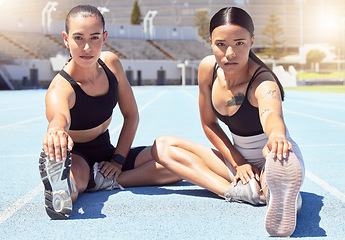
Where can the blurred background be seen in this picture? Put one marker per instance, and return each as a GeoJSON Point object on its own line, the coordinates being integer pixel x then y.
{"type": "Point", "coordinates": [161, 42]}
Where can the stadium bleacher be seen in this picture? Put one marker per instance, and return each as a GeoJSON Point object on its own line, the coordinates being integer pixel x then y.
{"type": "Point", "coordinates": [19, 42]}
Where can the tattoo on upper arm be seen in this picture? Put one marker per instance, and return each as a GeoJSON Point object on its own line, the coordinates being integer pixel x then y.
{"type": "Point", "coordinates": [273, 94]}
{"type": "Point", "coordinates": [236, 100]}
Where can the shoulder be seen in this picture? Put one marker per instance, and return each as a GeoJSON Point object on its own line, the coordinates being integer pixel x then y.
{"type": "Point", "coordinates": [110, 58]}
{"type": "Point", "coordinates": [261, 74]}
{"type": "Point", "coordinates": [60, 89]}
{"type": "Point", "coordinates": [207, 62]}
{"type": "Point", "coordinates": [113, 62]}
{"type": "Point", "coordinates": [59, 83]}
{"type": "Point", "coordinates": [206, 68]}
{"type": "Point", "coordinates": [264, 84]}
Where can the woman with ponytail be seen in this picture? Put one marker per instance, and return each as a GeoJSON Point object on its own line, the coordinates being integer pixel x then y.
{"type": "Point", "coordinates": [262, 164]}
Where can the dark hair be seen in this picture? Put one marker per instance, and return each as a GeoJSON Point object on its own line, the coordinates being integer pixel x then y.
{"type": "Point", "coordinates": [84, 11]}
{"type": "Point", "coordinates": [239, 17]}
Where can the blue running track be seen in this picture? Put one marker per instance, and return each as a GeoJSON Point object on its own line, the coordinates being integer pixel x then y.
{"type": "Point", "coordinates": [179, 211]}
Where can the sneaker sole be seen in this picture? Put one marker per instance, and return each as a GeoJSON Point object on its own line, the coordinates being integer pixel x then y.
{"type": "Point", "coordinates": [284, 179]}
{"type": "Point", "coordinates": [55, 178]}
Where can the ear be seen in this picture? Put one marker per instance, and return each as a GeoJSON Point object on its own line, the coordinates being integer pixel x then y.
{"type": "Point", "coordinates": [65, 39]}
{"type": "Point", "coordinates": [105, 35]}
{"type": "Point", "coordinates": [252, 40]}
{"type": "Point", "coordinates": [210, 39]}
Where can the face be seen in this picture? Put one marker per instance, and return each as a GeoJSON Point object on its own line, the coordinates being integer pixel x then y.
{"type": "Point", "coordinates": [85, 39]}
{"type": "Point", "coordinates": [231, 45]}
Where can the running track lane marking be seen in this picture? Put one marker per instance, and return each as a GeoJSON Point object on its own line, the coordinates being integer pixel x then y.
{"type": "Point", "coordinates": [22, 122]}
{"type": "Point", "coordinates": [328, 188]}
{"type": "Point", "coordinates": [6, 214]}
{"type": "Point", "coordinates": [22, 107]}
{"type": "Point", "coordinates": [314, 117]}
{"type": "Point", "coordinates": [141, 109]}
{"type": "Point", "coordinates": [190, 95]}
{"type": "Point", "coordinates": [317, 104]}
{"type": "Point", "coordinates": [17, 156]}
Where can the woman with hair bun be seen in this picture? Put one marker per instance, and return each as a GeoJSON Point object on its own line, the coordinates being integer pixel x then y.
{"type": "Point", "coordinates": [77, 153]}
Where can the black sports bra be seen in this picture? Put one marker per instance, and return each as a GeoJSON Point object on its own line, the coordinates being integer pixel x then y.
{"type": "Point", "coordinates": [88, 111]}
{"type": "Point", "coordinates": [246, 121]}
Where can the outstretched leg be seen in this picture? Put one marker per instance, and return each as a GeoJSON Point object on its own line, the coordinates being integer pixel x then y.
{"type": "Point", "coordinates": [146, 172]}
{"type": "Point", "coordinates": [193, 162]}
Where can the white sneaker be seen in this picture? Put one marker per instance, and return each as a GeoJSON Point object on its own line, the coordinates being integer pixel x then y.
{"type": "Point", "coordinates": [249, 193]}
{"type": "Point", "coordinates": [103, 183]}
{"type": "Point", "coordinates": [58, 186]}
{"type": "Point", "coordinates": [284, 180]}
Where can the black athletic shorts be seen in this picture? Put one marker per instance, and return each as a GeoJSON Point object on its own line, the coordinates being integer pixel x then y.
{"type": "Point", "coordinates": [100, 149]}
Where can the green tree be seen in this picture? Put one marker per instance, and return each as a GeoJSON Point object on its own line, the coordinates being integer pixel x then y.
{"type": "Point", "coordinates": [202, 22]}
{"type": "Point", "coordinates": [314, 57]}
{"type": "Point", "coordinates": [136, 14]}
{"type": "Point", "coordinates": [272, 32]}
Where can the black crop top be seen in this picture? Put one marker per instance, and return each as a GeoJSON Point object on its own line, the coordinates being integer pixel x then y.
{"type": "Point", "coordinates": [88, 111]}
{"type": "Point", "coordinates": [246, 121]}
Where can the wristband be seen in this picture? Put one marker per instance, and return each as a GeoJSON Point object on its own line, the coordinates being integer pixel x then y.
{"type": "Point", "coordinates": [119, 158]}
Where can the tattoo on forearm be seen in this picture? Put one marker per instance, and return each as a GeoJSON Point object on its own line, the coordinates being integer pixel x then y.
{"type": "Point", "coordinates": [267, 110]}
{"type": "Point", "coordinates": [236, 100]}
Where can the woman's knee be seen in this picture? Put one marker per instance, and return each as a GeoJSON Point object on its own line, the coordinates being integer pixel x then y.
{"type": "Point", "coordinates": [80, 173]}
{"type": "Point", "coordinates": [160, 148]}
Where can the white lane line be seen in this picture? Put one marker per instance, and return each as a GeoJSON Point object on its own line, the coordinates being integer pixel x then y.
{"type": "Point", "coordinates": [314, 117]}
{"type": "Point", "coordinates": [22, 122]}
{"type": "Point", "coordinates": [333, 191]}
{"type": "Point", "coordinates": [114, 130]}
{"type": "Point", "coordinates": [317, 104]}
{"type": "Point", "coordinates": [21, 107]}
{"type": "Point", "coordinates": [322, 145]}
{"type": "Point", "coordinates": [190, 95]}
{"type": "Point", "coordinates": [15, 207]}
{"type": "Point", "coordinates": [20, 156]}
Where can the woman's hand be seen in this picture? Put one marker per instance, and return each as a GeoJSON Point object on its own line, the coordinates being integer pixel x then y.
{"type": "Point", "coordinates": [56, 143]}
{"type": "Point", "coordinates": [246, 172]}
{"type": "Point", "coordinates": [278, 146]}
{"type": "Point", "coordinates": [110, 169]}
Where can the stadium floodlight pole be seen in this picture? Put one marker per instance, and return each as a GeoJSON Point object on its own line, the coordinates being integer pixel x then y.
{"type": "Point", "coordinates": [149, 19]}
{"type": "Point", "coordinates": [46, 18]}
{"type": "Point", "coordinates": [301, 40]}
{"type": "Point", "coordinates": [103, 10]}
{"type": "Point", "coordinates": [341, 50]}
{"type": "Point", "coordinates": [49, 19]}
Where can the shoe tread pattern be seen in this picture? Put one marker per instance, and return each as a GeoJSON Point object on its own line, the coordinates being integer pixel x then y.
{"type": "Point", "coordinates": [284, 179]}
{"type": "Point", "coordinates": [53, 173]}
